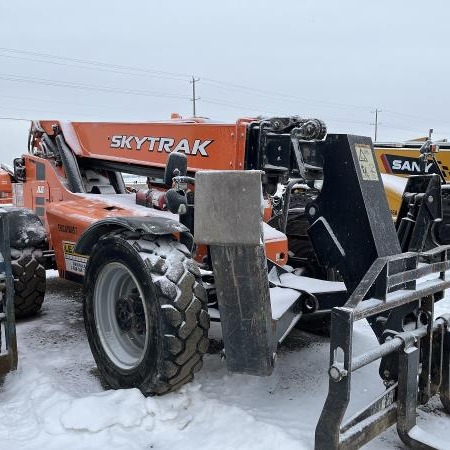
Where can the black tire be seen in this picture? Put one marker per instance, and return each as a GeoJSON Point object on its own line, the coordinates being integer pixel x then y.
{"type": "Point", "coordinates": [445, 403]}
{"type": "Point", "coordinates": [29, 281]}
{"type": "Point", "coordinates": [301, 252]}
{"type": "Point", "coordinates": [155, 321]}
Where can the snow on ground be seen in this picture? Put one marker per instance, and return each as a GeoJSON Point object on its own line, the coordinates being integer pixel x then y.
{"type": "Point", "coordinates": [55, 399]}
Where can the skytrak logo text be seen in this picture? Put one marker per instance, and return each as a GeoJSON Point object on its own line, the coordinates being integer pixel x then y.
{"type": "Point", "coordinates": [160, 144]}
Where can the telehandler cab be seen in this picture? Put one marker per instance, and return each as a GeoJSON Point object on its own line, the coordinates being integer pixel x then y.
{"type": "Point", "coordinates": [158, 265]}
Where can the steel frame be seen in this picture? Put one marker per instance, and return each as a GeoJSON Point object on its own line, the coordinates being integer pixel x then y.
{"type": "Point", "coordinates": [423, 353]}
{"type": "Point", "coordinates": [8, 348]}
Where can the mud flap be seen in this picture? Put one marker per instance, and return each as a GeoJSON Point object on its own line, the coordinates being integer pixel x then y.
{"type": "Point", "coordinates": [228, 219]}
{"type": "Point", "coordinates": [8, 340]}
{"type": "Point", "coordinates": [245, 311]}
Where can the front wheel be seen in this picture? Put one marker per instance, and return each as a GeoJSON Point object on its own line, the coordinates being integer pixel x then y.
{"type": "Point", "coordinates": [145, 312]}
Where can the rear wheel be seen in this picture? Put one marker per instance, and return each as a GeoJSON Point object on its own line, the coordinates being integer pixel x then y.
{"type": "Point", "coordinates": [29, 280]}
{"type": "Point", "coordinates": [145, 312]}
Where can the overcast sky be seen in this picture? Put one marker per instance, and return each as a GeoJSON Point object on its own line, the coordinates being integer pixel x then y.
{"type": "Point", "coordinates": [336, 60]}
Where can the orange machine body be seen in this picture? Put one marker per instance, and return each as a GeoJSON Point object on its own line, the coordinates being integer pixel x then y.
{"type": "Point", "coordinates": [5, 188]}
{"type": "Point", "coordinates": [133, 148]}
{"type": "Point", "coordinates": [211, 146]}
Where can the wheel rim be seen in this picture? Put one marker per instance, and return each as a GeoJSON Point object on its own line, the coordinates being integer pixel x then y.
{"type": "Point", "coordinates": [121, 316]}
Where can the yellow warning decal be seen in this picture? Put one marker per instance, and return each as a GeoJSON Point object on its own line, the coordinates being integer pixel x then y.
{"type": "Point", "coordinates": [74, 262]}
{"type": "Point", "coordinates": [68, 247]}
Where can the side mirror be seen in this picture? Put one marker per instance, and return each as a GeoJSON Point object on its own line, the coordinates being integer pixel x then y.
{"type": "Point", "coordinates": [176, 166]}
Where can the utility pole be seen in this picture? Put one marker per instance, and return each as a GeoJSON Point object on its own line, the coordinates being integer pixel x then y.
{"type": "Point", "coordinates": [376, 123]}
{"type": "Point", "coordinates": [194, 98]}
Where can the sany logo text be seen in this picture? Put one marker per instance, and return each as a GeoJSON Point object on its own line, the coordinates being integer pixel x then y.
{"type": "Point", "coordinates": [404, 165]}
{"type": "Point", "coordinates": [160, 144]}
{"type": "Point", "coordinates": [410, 166]}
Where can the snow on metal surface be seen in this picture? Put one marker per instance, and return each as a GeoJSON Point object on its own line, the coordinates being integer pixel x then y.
{"type": "Point", "coordinates": [311, 285]}
{"type": "Point", "coordinates": [281, 300]}
{"type": "Point", "coordinates": [270, 233]}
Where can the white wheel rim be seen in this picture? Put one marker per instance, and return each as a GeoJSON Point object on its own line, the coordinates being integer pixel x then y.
{"type": "Point", "coordinates": [122, 336]}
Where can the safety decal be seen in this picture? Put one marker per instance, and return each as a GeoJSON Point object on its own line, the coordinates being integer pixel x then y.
{"type": "Point", "coordinates": [366, 162]}
{"type": "Point", "coordinates": [74, 262]}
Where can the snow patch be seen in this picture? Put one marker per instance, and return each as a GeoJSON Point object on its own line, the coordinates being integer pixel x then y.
{"type": "Point", "coordinates": [55, 400]}
{"type": "Point", "coordinates": [281, 299]}
{"type": "Point", "coordinates": [125, 407]}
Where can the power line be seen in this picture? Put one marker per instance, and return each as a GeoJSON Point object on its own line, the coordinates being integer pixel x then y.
{"type": "Point", "coordinates": [220, 102]}
{"type": "Point", "coordinates": [64, 102]}
{"type": "Point", "coordinates": [177, 76]}
{"type": "Point", "coordinates": [106, 67]}
{"type": "Point", "coordinates": [63, 115]}
{"type": "Point", "coordinates": [16, 118]}
{"type": "Point", "coordinates": [413, 116]}
{"type": "Point", "coordinates": [95, 63]}
{"type": "Point", "coordinates": [414, 130]}
{"type": "Point", "coordinates": [281, 96]}
{"type": "Point", "coordinates": [214, 101]}
{"type": "Point", "coordinates": [88, 87]}
{"type": "Point", "coordinates": [206, 100]}
{"type": "Point", "coordinates": [98, 69]}
{"type": "Point", "coordinates": [405, 115]}
{"type": "Point", "coordinates": [41, 112]}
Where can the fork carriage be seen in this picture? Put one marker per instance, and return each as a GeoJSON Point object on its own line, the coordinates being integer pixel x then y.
{"type": "Point", "coordinates": [415, 363]}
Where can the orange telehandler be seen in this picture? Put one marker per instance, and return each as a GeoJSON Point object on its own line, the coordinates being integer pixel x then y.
{"type": "Point", "coordinates": [5, 184]}
{"type": "Point", "coordinates": [159, 264]}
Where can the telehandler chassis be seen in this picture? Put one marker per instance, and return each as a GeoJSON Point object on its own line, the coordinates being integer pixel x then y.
{"type": "Point", "coordinates": [146, 308]}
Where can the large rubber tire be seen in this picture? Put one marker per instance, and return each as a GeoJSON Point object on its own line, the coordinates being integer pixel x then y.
{"type": "Point", "coordinates": [29, 281]}
{"type": "Point", "coordinates": [300, 246]}
{"type": "Point", "coordinates": [159, 345]}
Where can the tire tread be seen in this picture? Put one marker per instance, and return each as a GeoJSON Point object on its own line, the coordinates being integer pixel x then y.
{"type": "Point", "coordinates": [179, 286]}
{"type": "Point", "coordinates": [181, 301]}
{"type": "Point", "coordinates": [29, 281]}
